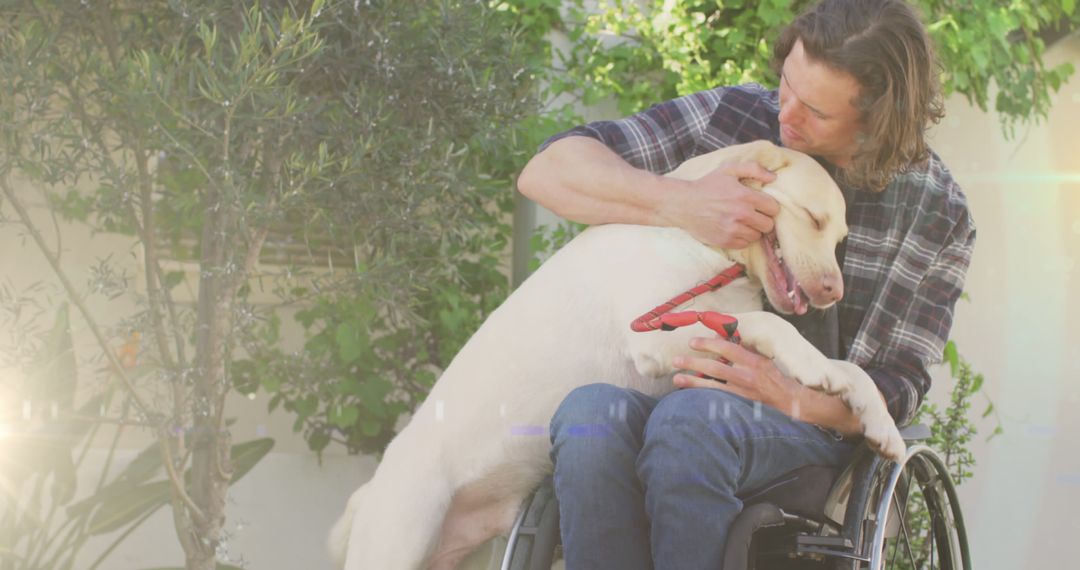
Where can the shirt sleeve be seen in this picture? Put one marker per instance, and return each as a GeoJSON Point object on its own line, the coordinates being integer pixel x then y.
{"type": "Point", "coordinates": [917, 340]}
{"type": "Point", "coordinates": [657, 139]}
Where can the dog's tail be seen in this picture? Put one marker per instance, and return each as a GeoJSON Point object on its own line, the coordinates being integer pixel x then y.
{"type": "Point", "coordinates": [338, 542]}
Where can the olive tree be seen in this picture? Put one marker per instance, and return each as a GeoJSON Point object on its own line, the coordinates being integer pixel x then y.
{"type": "Point", "coordinates": [350, 159]}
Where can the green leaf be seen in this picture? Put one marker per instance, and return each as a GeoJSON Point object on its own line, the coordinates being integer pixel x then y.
{"type": "Point", "coordinates": [344, 416]}
{"type": "Point", "coordinates": [306, 406]}
{"type": "Point", "coordinates": [138, 471]}
{"type": "Point", "coordinates": [246, 455]}
{"type": "Point", "coordinates": [124, 508]}
{"type": "Point", "coordinates": [318, 441]}
{"type": "Point", "coordinates": [953, 358]}
{"type": "Point", "coordinates": [145, 465]}
{"type": "Point", "coordinates": [172, 279]}
{"type": "Point", "coordinates": [275, 401]}
{"type": "Point", "coordinates": [370, 428]}
{"type": "Point", "coordinates": [351, 342]}
{"type": "Point", "coordinates": [270, 383]}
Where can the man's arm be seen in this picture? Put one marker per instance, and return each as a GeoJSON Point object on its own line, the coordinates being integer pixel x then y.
{"type": "Point", "coordinates": [581, 179]}
{"type": "Point", "coordinates": [916, 340]}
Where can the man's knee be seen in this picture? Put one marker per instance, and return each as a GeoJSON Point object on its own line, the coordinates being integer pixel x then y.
{"type": "Point", "coordinates": [699, 404]}
{"type": "Point", "coordinates": [595, 405]}
{"type": "Point", "coordinates": [703, 412]}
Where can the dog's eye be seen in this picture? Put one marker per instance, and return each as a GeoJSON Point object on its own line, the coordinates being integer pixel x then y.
{"type": "Point", "coordinates": [818, 224]}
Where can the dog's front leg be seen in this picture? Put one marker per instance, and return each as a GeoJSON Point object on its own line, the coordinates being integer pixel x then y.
{"type": "Point", "coordinates": [865, 400]}
{"type": "Point", "coordinates": [773, 337]}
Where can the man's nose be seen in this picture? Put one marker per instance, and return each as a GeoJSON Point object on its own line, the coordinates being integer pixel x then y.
{"type": "Point", "coordinates": [789, 112]}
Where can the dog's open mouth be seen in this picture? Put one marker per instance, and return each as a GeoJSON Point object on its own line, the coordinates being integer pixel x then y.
{"type": "Point", "coordinates": [788, 296]}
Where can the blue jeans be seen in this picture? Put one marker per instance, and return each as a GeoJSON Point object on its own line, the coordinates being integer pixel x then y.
{"type": "Point", "coordinates": [645, 483]}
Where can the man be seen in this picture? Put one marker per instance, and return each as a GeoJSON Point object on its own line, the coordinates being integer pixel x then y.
{"type": "Point", "coordinates": [645, 483]}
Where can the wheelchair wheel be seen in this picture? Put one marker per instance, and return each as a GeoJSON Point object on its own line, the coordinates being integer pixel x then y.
{"type": "Point", "coordinates": [534, 541]}
{"type": "Point", "coordinates": [922, 528]}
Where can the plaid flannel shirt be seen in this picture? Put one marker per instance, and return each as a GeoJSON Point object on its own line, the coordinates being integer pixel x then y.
{"type": "Point", "coordinates": [905, 256]}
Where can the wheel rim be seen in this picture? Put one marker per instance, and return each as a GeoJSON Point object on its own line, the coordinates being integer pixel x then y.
{"type": "Point", "coordinates": [924, 528]}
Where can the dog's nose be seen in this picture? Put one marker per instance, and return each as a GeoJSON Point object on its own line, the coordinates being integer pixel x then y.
{"type": "Point", "coordinates": [833, 286]}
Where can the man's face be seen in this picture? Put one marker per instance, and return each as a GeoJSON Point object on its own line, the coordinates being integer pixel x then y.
{"type": "Point", "coordinates": [817, 114]}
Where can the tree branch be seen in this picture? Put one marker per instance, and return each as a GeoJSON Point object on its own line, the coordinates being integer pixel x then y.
{"type": "Point", "coordinates": [177, 483]}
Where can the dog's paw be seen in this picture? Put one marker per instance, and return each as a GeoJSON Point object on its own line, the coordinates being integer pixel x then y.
{"type": "Point", "coordinates": [883, 437]}
{"type": "Point", "coordinates": [775, 338]}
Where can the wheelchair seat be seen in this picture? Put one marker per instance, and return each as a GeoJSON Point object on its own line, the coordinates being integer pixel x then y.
{"type": "Point", "coordinates": [802, 492]}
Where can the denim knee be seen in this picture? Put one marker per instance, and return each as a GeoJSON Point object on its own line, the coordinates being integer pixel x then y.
{"type": "Point", "coordinates": [595, 404]}
{"type": "Point", "coordinates": [703, 407]}
{"type": "Point", "coordinates": [593, 413]}
{"type": "Point", "coordinates": [714, 415]}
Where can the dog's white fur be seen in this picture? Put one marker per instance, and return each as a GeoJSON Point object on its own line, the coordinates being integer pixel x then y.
{"type": "Point", "coordinates": [457, 474]}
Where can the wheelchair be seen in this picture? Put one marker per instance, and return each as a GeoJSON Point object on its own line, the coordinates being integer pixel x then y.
{"type": "Point", "coordinates": [872, 514]}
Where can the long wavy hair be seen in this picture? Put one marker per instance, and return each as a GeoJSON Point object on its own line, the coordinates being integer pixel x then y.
{"type": "Point", "coordinates": [884, 46]}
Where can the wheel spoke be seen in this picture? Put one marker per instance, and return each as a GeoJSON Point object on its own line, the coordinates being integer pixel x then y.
{"type": "Point", "coordinates": [902, 516]}
{"type": "Point", "coordinates": [904, 532]}
{"type": "Point", "coordinates": [933, 542]}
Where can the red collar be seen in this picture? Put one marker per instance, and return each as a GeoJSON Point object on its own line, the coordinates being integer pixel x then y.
{"type": "Point", "coordinates": [661, 318]}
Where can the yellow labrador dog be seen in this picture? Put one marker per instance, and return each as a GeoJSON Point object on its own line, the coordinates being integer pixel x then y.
{"type": "Point", "coordinates": [457, 474]}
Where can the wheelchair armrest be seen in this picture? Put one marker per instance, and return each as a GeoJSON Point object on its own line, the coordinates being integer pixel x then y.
{"type": "Point", "coordinates": [914, 433]}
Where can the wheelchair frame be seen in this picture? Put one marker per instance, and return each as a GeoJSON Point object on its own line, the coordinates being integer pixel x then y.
{"type": "Point", "coordinates": [864, 525]}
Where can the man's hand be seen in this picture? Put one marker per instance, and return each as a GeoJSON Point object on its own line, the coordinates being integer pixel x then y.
{"type": "Point", "coordinates": [719, 210]}
{"type": "Point", "coordinates": [749, 375]}
{"type": "Point", "coordinates": [757, 378]}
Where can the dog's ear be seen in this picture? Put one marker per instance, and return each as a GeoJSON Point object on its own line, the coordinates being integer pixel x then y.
{"type": "Point", "coordinates": [768, 155]}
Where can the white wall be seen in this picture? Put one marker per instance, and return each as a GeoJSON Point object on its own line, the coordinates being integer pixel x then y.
{"type": "Point", "coordinates": [1021, 327]}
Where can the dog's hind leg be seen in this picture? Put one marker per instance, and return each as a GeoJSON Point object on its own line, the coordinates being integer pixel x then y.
{"type": "Point", "coordinates": [392, 529]}
{"type": "Point", "coordinates": [476, 515]}
{"type": "Point", "coordinates": [338, 542]}
{"type": "Point", "coordinates": [396, 515]}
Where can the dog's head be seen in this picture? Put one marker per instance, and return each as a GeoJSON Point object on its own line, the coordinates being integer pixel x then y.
{"type": "Point", "coordinates": [796, 263]}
